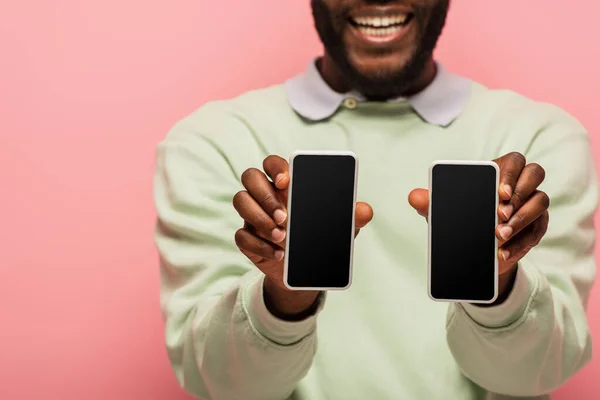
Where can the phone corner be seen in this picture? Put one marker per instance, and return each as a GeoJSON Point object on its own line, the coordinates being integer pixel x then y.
{"type": "Point", "coordinates": [496, 294]}
{"type": "Point", "coordinates": [431, 296]}
{"type": "Point", "coordinates": [494, 165]}
{"type": "Point", "coordinates": [293, 155]}
{"type": "Point", "coordinates": [287, 285]}
{"type": "Point", "coordinates": [487, 302]}
{"type": "Point", "coordinates": [356, 160]}
{"type": "Point", "coordinates": [352, 154]}
{"type": "Point", "coordinates": [348, 285]}
{"type": "Point", "coordinates": [435, 163]}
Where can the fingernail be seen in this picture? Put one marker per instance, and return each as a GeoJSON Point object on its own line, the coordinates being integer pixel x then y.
{"type": "Point", "coordinates": [505, 254]}
{"type": "Point", "coordinates": [279, 216]}
{"type": "Point", "coordinates": [507, 210]}
{"type": "Point", "coordinates": [505, 232]}
{"type": "Point", "coordinates": [278, 178]}
{"type": "Point", "coordinates": [508, 190]}
{"type": "Point", "coordinates": [278, 235]}
{"type": "Point", "coordinates": [279, 255]}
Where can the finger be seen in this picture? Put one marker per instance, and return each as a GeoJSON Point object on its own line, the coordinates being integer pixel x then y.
{"type": "Point", "coordinates": [419, 200]}
{"type": "Point", "coordinates": [250, 244]}
{"type": "Point", "coordinates": [265, 194]}
{"type": "Point", "coordinates": [364, 215]}
{"type": "Point", "coordinates": [531, 177]}
{"type": "Point", "coordinates": [277, 169]}
{"type": "Point", "coordinates": [251, 212]}
{"type": "Point", "coordinates": [522, 243]}
{"type": "Point", "coordinates": [511, 166]}
{"type": "Point", "coordinates": [537, 205]}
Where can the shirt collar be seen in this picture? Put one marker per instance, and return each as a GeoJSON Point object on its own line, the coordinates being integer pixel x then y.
{"type": "Point", "coordinates": [439, 103]}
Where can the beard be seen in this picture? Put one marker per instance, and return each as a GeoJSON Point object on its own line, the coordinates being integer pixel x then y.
{"type": "Point", "coordinates": [383, 84]}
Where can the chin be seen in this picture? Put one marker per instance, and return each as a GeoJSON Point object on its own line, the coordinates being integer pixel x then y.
{"type": "Point", "coordinates": [380, 67]}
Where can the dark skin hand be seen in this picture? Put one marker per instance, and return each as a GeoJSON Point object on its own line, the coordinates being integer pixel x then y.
{"type": "Point", "coordinates": [384, 71]}
{"type": "Point", "coordinates": [523, 214]}
{"type": "Point", "coordinates": [262, 206]}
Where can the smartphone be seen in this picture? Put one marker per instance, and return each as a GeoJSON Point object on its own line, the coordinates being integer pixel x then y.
{"type": "Point", "coordinates": [463, 248]}
{"type": "Point", "coordinates": [320, 228]}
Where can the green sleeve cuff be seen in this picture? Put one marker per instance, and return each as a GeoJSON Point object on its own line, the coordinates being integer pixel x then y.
{"type": "Point", "coordinates": [513, 308]}
{"type": "Point", "coordinates": [270, 327]}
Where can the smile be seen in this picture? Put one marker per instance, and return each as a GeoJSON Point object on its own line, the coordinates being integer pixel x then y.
{"type": "Point", "coordinates": [378, 29]}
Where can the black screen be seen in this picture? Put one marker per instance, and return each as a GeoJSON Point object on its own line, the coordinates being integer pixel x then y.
{"type": "Point", "coordinates": [320, 227]}
{"type": "Point", "coordinates": [463, 223]}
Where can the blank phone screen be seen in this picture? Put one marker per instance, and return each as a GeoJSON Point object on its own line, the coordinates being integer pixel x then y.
{"type": "Point", "coordinates": [321, 221]}
{"type": "Point", "coordinates": [463, 222]}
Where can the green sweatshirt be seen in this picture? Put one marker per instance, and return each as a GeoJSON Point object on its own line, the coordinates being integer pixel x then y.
{"type": "Point", "coordinates": [384, 338]}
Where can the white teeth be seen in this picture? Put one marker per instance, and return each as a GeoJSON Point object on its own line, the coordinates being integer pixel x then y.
{"type": "Point", "coordinates": [379, 32]}
{"type": "Point", "coordinates": [381, 22]}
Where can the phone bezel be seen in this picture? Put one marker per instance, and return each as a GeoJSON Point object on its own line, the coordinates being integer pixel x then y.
{"type": "Point", "coordinates": [290, 213]}
{"type": "Point", "coordinates": [430, 229]}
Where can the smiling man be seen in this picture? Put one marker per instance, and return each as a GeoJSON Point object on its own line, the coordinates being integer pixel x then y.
{"type": "Point", "coordinates": [234, 331]}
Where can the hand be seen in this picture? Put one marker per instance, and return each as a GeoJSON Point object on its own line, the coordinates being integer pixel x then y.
{"type": "Point", "coordinates": [262, 206]}
{"type": "Point", "coordinates": [522, 212]}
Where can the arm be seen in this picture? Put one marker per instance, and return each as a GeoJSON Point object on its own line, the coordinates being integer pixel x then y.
{"type": "Point", "coordinates": [538, 338]}
{"type": "Point", "coordinates": [222, 341]}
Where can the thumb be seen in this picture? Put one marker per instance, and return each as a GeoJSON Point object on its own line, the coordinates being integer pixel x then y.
{"type": "Point", "coordinates": [419, 200]}
{"type": "Point", "coordinates": [364, 215]}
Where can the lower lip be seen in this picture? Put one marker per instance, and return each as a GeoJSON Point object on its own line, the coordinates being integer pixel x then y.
{"type": "Point", "coordinates": [381, 39]}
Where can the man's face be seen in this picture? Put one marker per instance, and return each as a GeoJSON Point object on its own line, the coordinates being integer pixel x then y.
{"type": "Point", "coordinates": [380, 46]}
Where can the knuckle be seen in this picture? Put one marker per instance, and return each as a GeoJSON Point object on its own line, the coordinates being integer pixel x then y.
{"type": "Point", "coordinates": [270, 201]}
{"type": "Point", "coordinates": [536, 234]}
{"type": "Point", "coordinates": [274, 164]}
{"type": "Point", "coordinates": [264, 223]}
{"type": "Point", "coordinates": [537, 171]}
{"type": "Point", "coordinates": [517, 158]}
{"type": "Point", "coordinates": [520, 220]}
{"type": "Point", "coordinates": [263, 246]}
{"type": "Point", "coordinates": [238, 198]}
{"type": "Point", "coordinates": [544, 199]}
{"type": "Point", "coordinates": [510, 175]}
{"type": "Point", "coordinates": [269, 161]}
{"type": "Point", "coordinates": [518, 197]}
{"type": "Point", "coordinates": [239, 237]}
{"type": "Point", "coordinates": [543, 229]}
{"type": "Point", "coordinates": [249, 174]}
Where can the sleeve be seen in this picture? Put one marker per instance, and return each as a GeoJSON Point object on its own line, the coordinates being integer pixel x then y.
{"type": "Point", "coordinates": [221, 340]}
{"type": "Point", "coordinates": [539, 337]}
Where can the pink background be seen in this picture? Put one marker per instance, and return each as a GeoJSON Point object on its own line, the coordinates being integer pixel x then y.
{"type": "Point", "coordinates": [87, 88]}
